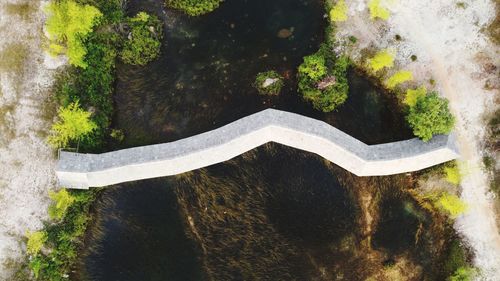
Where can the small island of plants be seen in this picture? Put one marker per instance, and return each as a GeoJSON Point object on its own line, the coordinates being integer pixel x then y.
{"type": "Point", "coordinates": [269, 83]}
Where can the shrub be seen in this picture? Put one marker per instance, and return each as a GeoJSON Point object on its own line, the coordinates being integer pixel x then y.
{"type": "Point", "coordinates": [339, 12]}
{"type": "Point", "coordinates": [382, 59]}
{"type": "Point", "coordinates": [36, 239]}
{"type": "Point", "coordinates": [398, 78]}
{"type": "Point", "coordinates": [412, 95]}
{"type": "Point", "coordinates": [194, 7]}
{"type": "Point", "coordinates": [68, 25]}
{"type": "Point", "coordinates": [377, 11]}
{"type": "Point", "coordinates": [73, 124]}
{"type": "Point", "coordinates": [323, 80]}
{"type": "Point", "coordinates": [465, 273]}
{"type": "Point", "coordinates": [269, 83]}
{"type": "Point", "coordinates": [143, 43]}
{"type": "Point", "coordinates": [62, 200]}
{"type": "Point", "coordinates": [430, 116]}
{"type": "Point", "coordinates": [452, 175]}
{"type": "Point", "coordinates": [64, 239]}
{"type": "Point", "coordinates": [451, 204]}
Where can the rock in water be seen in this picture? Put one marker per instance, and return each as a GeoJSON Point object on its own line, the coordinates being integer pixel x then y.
{"type": "Point", "coordinates": [269, 81]}
{"type": "Point", "coordinates": [285, 33]}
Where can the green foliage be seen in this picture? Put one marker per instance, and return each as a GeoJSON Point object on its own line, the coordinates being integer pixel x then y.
{"type": "Point", "coordinates": [382, 59]}
{"type": "Point", "coordinates": [451, 204]}
{"type": "Point", "coordinates": [464, 274]}
{"type": "Point", "coordinates": [64, 239]}
{"type": "Point", "coordinates": [275, 85]}
{"type": "Point", "coordinates": [452, 175]}
{"type": "Point", "coordinates": [430, 116]}
{"type": "Point", "coordinates": [62, 200]}
{"type": "Point", "coordinates": [73, 124]}
{"type": "Point", "coordinates": [194, 7]}
{"type": "Point", "coordinates": [36, 239]}
{"type": "Point", "coordinates": [339, 12]}
{"type": "Point", "coordinates": [68, 25]}
{"type": "Point", "coordinates": [143, 43]}
{"type": "Point", "coordinates": [323, 79]}
{"type": "Point", "coordinates": [398, 78]}
{"type": "Point", "coordinates": [412, 95]}
{"type": "Point", "coordinates": [377, 10]}
{"type": "Point", "coordinates": [112, 10]}
{"type": "Point", "coordinates": [93, 86]}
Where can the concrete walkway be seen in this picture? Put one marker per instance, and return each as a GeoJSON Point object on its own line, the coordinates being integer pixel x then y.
{"type": "Point", "coordinates": [75, 170]}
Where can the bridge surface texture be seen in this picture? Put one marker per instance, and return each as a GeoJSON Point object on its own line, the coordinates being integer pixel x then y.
{"type": "Point", "coordinates": [76, 170]}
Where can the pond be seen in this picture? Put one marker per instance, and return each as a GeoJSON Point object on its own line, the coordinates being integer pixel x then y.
{"type": "Point", "coordinates": [274, 213]}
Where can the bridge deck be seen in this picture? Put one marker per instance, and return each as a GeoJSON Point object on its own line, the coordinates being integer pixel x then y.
{"type": "Point", "coordinates": [75, 170]}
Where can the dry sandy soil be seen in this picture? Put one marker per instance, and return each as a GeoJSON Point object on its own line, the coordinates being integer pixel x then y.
{"type": "Point", "coordinates": [26, 163]}
{"type": "Point", "coordinates": [452, 49]}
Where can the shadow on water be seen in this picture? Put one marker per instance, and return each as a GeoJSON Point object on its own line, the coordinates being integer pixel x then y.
{"type": "Point", "coordinates": [204, 77]}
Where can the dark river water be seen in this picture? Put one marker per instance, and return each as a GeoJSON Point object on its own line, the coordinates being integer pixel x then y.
{"type": "Point", "coordinates": [274, 213]}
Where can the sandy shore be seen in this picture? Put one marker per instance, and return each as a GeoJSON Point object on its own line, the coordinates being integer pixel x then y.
{"type": "Point", "coordinates": [26, 162]}
{"type": "Point", "coordinates": [452, 50]}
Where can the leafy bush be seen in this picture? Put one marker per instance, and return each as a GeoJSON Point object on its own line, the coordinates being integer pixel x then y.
{"type": "Point", "coordinates": [323, 79]}
{"type": "Point", "coordinates": [430, 116]}
{"type": "Point", "coordinates": [194, 7]}
{"type": "Point", "coordinates": [451, 204]}
{"type": "Point", "coordinates": [412, 95]}
{"type": "Point", "coordinates": [143, 43]}
{"type": "Point", "coordinates": [465, 273]}
{"type": "Point", "coordinates": [36, 239]}
{"type": "Point", "coordinates": [61, 202]}
{"type": "Point", "coordinates": [73, 124]}
{"type": "Point", "coordinates": [63, 240]}
{"type": "Point", "coordinates": [398, 78]}
{"type": "Point", "coordinates": [377, 10]}
{"type": "Point", "coordinates": [452, 175]}
{"type": "Point", "coordinates": [269, 83]}
{"type": "Point", "coordinates": [382, 59]}
{"type": "Point", "coordinates": [339, 12]}
{"type": "Point", "coordinates": [68, 26]}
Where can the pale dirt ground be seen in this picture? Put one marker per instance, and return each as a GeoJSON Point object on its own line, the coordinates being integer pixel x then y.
{"type": "Point", "coordinates": [26, 163]}
{"type": "Point", "coordinates": [452, 49]}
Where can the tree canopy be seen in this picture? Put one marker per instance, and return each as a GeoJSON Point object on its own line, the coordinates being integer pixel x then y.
{"type": "Point", "coordinates": [68, 25]}
{"type": "Point", "coordinates": [430, 116]}
{"type": "Point", "coordinates": [398, 78]}
{"type": "Point", "coordinates": [381, 60]}
{"type": "Point", "coordinates": [339, 12]}
{"type": "Point", "coordinates": [377, 10]}
{"type": "Point", "coordinates": [73, 124]}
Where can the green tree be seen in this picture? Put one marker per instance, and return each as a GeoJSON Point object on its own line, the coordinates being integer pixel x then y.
{"type": "Point", "coordinates": [430, 116]}
{"type": "Point", "coordinates": [73, 124]}
{"type": "Point", "coordinates": [323, 79]}
{"type": "Point", "coordinates": [451, 204]}
{"type": "Point", "coordinates": [68, 25]}
{"type": "Point", "coordinates": [36, 239]}
{"type": "Point", "coordinates": [194, 7]}
{"type": "Point", "coordinates": [62, 201]}
{"type": "Point", "coordinates": [412, 95]}
{"type": "Point", "coordinates": [143, 43]}
{"type": "Point", "coordinates": [464, 273]}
